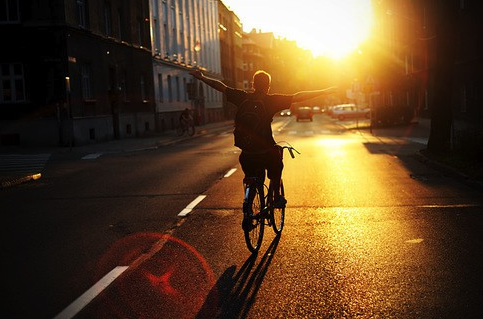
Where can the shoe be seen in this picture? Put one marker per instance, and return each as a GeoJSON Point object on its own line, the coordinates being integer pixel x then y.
{"type": "Point", "coordinates": [280, 202]}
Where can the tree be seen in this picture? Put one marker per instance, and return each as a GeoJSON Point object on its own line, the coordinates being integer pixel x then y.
{"type": "Point", "coordinates": [443, 68]}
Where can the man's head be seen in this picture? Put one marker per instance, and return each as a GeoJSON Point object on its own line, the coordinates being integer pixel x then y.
{"type": "Point", "coordinates": [261, 81]}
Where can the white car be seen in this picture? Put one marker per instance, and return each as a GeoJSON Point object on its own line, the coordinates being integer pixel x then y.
{"type": "Point", "coordinates": [349, 111]}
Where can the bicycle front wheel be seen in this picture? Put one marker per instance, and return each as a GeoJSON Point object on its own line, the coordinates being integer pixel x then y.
{"type": "Point", "coordinates": [254, 227]}
{"type": "Point", "coordinates": [180, 130]}
{"type": "Point", "coordinates": [277, 215]}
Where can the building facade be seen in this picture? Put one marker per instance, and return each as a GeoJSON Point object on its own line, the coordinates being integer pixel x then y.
{"type": "Point", "coordinates": [185, 36]}
{"type": "Point", "coordinates": [406, 56]}
{"type": "Point", "coordinates": [231, 35]}
{"type": "Point", "coordinates": [75, 72]}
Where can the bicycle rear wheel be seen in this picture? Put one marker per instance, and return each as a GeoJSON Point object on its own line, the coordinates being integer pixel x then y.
{"type": "Point", "coordinates": [277, 215]}
{"type": "Point", "coordinates": [254, 228]}
{"type": "Point", "coordinates": [191, 130]}
{"type": "Point", "coordinates": [180, 130]}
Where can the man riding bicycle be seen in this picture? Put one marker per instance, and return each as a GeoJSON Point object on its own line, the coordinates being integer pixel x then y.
{"type": "Point", "coordinates": [267, 155]}
{"type": "Point", "coordinates": [185, 119]}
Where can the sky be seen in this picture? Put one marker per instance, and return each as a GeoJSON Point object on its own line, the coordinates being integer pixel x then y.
{"type": "Point", "coordinates": [326, 27]}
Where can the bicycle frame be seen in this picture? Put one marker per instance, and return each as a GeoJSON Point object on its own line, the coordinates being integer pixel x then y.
{"type": "Point", "coordinates": [185, 126]}
{"type": "Point", "coordinates": [259, 210]}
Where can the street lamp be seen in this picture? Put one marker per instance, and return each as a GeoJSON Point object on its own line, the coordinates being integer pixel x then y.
{"type": "Point", "coordinates": [198, 100]}
{"type": "Point", "coordinates": [197, 49]}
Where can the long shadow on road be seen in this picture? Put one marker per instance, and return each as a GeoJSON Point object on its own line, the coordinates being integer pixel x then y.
{"type": "Point", "coordinates": [235, 293]}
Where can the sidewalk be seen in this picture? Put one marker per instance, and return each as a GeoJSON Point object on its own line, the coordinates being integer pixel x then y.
{"type": "Point", "coordinates": [14, 172]}
{"type": "Point", "coordinates": [154, 142]}
{"type": "Point", "coordinates": [417, 133]}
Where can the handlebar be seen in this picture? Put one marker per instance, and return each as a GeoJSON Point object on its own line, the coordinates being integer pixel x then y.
{"type": "Point", "coordinates": [290, 149]}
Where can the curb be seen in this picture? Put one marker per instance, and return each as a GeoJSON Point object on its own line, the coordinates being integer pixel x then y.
{"type": "Point", "coordinates": [450, 171]}
{"type": "Point", "coordinates": [224, 126]}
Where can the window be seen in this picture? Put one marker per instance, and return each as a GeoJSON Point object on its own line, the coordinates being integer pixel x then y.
{"type": "Point", "coordinates": [173, 34]}
{"type": "Point", "coordinates": [9, 11]}
{"type": "Point", "coordinates": [165, 29]}
{"type": "Point", "coordinates": [12, 83]}
{"type": "Point", "coordinates": [86, 86]}
{"type": "Point", "coordinates": [178, 96]}
{"type": "Point", "coordinates": [143, 89]}
{"type": "Point", "coordinates": [160, 88]}
{"type": "Point", "coordinates": [140, 32]}
{"type": "Point", "coordinates": [184, 90]}
{"type": "Point", "coordinates": [166, 40]}
{"type": "Point", "coordinates": [246, 85]}
{"type": "Point", "coordinates": [82, 13]}
{"type": "Point", "coordinates": [107, 19]}
{"type": "Point", "coordinates": [463, 98]}
{"type": "Point", "coordinates": [170, 89]}
{"type": "Point", "coordinates": [121, 28]}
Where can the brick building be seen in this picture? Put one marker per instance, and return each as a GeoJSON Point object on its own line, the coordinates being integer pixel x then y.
{"type": "Point", "coordinates": [75, 72]}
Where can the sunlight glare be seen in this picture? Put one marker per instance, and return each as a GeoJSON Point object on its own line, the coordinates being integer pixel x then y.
{"type": "Point", "coordinates": [326, 27]}
{"type": "Point", "coordinates": [344, 25]}
{"type": "Point", "coordinates": [335, 147]}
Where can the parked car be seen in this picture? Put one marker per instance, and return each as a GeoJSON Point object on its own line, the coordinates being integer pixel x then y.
{"type": "Point", "coordinates": [316, 109]}
{"type": "Point", "coordinates": [305, 113]}
{"type": "Point", "coordinates": [286, 112]}
{"type": "Point", "coordinates": [350, 111]}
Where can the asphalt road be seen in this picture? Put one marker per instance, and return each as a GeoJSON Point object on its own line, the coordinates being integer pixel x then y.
{"type": "Point", "coordinates": [370, 232]}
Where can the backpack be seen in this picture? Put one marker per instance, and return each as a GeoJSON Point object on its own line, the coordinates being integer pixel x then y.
{"type": "Point", "coordinates": [250, 126]}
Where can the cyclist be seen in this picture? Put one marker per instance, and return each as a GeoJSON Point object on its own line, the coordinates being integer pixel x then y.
{"type": "Point", "coordinates": [185, 119]}
{"type": "Point", "coordinates": [268, 157]}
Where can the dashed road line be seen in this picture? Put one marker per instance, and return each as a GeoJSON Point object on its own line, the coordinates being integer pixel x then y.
{"type": "Point", "coordinates": [230, 172]}
{"type": "Point", "coordinates": [284, 124]}
{"type": "Point", "coordinates": [75, 307]}
{"type": "Point", "coordinates": [191, 205]}
{"type": "Point", "coordinates": [80, 303]}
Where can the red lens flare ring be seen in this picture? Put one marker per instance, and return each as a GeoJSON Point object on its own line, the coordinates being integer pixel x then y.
{"type": "Point", "coordinates": [173, 281]}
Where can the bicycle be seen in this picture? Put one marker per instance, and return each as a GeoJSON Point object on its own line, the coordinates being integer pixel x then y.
{"type": "Point", "coordinates": [260, 198]}
{"type": "Point", "coordinates": [185, 126]}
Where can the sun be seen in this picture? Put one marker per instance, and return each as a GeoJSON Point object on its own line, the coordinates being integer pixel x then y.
{"type": "Point", "coordinates": [326, 27]}
{"type": "Point", "coordinates": [340, 28]}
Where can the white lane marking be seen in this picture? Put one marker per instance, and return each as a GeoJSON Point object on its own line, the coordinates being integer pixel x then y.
{"type": "Point", "coordinates": [419, 140]}
{"type": "Point", "coordinates": [75, 307]}
{"type": "Point", "coordinates": [415, 241]}
{"type": "Point", "coordinates": [191, 205]}
{"type": "Point", "coordinates": [449, 206]}
{"type": "Point", "coordinates": [92, 156]}
{"type": "Point", "coordinates": [230, 172]}
{"type": "Point", "coordinates": [284, 124]}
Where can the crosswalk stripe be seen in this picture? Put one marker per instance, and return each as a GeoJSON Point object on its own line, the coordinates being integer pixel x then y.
{"type": "Point", "coordinates": [92, 156]}
{"type": "Point", "coordinates": [23, 163]}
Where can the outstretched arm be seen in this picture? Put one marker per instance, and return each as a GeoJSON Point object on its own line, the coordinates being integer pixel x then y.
{"type": "Point", "coordinates": [307, 95]}
{"type": "Point", "coordinates": [216, 84]}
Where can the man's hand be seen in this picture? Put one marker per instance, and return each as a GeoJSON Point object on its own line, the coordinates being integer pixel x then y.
{"type": "Point", "coordinates": [216, 84]}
